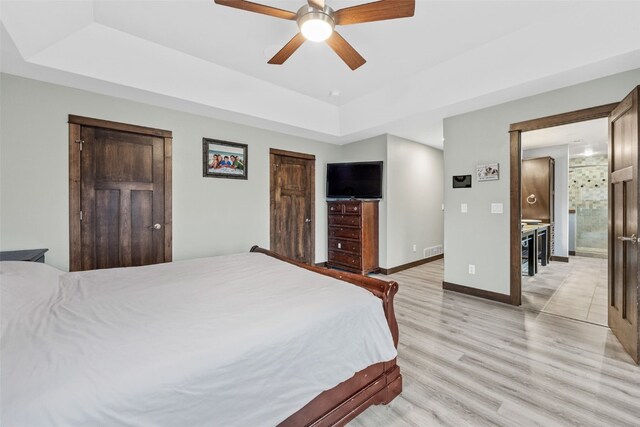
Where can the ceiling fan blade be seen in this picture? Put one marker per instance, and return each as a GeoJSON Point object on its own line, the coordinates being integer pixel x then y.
{"type": "Point", "coordinates": [287, 50]}
{"type": "Point", "coordinates": [318, 4]}
{"type": "Point", "coordinates": [376, 11]}
{"type": "Point", "coordinates": [345, 51]}
{"type": "Point", "coordinates": [258, 8]}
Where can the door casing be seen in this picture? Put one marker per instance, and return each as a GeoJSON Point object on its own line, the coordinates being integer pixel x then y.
{"type": "Point", "coordinates": [75, 126]}
{"type": "Point", "coordinates": [515, 166]}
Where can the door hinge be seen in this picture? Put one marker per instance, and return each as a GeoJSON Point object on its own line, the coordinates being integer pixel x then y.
{"type": "Point", "coordinates": [80, 215]}
{"type": "Point", "coordinates": [80, 142]}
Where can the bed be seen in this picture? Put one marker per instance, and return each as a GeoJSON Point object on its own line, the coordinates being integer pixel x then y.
{"type": "Point", "coordinates": [245, 339]}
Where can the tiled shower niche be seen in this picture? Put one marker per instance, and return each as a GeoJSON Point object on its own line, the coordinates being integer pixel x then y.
{"type": "Point", "coordinates": [588, 196]}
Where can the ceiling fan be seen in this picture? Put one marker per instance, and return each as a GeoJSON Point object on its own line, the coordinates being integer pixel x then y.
{"type": "Point", "coordinates": [317, 23]}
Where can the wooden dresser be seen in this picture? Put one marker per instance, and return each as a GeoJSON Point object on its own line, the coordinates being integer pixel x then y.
{"type": "Point", "coordinates": [353, 235]}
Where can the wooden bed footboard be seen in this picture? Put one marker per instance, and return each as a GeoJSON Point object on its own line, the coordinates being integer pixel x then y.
{"type": "Point", "coordinates": [374, 385]}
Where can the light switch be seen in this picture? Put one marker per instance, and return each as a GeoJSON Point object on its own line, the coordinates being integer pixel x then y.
{"type": "Point", "coordinates": [463, 208]}
{"type": "Point", "coordinates": [496, 208]}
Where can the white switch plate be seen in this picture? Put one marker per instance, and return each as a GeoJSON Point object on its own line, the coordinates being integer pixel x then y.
{"type": "Point", "coordinates": [415, 248]}
{"type": "Point", "coordinates": [463, 208]}
{"type": "Point", "coordinates": [472, 269]}
{"type": "Point", "coordinates": [497, 208]}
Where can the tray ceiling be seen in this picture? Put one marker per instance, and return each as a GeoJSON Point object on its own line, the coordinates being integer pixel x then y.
{"type": "Point", "coordinates": [452, 57]}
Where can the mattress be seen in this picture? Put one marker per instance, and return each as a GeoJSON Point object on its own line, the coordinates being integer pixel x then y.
{"type": "Point", "coordinates": [242, 340]}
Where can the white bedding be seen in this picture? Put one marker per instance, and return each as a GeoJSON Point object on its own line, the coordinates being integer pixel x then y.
{"type": "Point", "coordinates": [239, 340]}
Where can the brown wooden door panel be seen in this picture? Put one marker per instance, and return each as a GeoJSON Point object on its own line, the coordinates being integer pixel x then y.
{"type": "Point", "coordinates": [624, 301]}
{"type": "Point", "coordinates": [106, 229]}
{"type": "Point", "coordinates": [122, 192]}
{"type": "Point", "coordinates": [144, 250]}
{"type": "Point", "coordinates": [292, 205]}
{"type": "Point", "coordinates": [123, 160]}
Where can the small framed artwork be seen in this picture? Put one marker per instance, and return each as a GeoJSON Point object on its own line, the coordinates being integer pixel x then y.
{"type": "Point", "coordinates": [223, 159]}
{"type": "Point", "coordinates": [488, 172]}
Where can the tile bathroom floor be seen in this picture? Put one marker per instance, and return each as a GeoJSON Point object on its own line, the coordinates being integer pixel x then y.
{"type": "Point", "coordinates": [576, 290]}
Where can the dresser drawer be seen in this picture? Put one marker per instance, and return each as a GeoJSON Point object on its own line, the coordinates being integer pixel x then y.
{"type": "Point", "coordinates": [352, 208]}
{"type": "Point", "coordinates": [346, 233]}
{"type": "Point", "coordinates": [348, 220]}
{"type": "Point", "coordinates": [354, 261]}
{"type": "Point", "coordinates": [345, 246]}
{"type": "Point", "coordinates": [335, 207]}
{"type": "Point", "coordinates": [345, 208]}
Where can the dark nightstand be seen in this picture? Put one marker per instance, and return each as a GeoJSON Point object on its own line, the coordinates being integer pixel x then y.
{"type": "Point", "coordinates": [31, 255]}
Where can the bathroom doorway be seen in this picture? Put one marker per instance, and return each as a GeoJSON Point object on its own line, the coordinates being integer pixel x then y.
{"type": "Point", "coordinates": [565, 169]}
{"type": "Point", "coordinates": [623, 297]}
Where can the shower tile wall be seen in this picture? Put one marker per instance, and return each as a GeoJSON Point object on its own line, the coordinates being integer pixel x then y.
{"type": "Point", "coordinates": [588, 196]}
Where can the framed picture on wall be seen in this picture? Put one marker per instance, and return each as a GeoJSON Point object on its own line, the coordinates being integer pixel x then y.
{"type": "Point", "coordinates": [223, 159]}
{"type": "Point", "coordinates": [488, 172]}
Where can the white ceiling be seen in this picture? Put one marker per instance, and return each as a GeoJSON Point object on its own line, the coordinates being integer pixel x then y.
{"type": "Point", "coordinates": [452, 57]}
{"type": "Point", "coordinates": [583, 138]}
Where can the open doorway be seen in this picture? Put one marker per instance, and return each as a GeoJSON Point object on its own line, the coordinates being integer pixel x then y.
{"type": "Point", "coordinates": [564, 184]}
{"type": "Point", "coordinates": [623, 295]}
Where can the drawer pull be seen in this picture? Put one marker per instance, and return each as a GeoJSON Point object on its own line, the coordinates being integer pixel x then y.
{"type": "Point", "coordinates": [339, 245]}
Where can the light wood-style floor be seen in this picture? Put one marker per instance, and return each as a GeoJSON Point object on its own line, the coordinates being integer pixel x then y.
{"type": "Point", "coordinates": [471, 362]}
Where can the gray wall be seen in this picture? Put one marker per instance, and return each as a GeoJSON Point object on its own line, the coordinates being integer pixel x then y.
{"type": "Point", "coordinates": [369, 150]}
{"type": "Point", "coordinates": [411, 208]}
{"type": "Point", "coordinates": [414, 200]}
{"type": "Point", "coordinates": [479, 237]}
{"type": "Point", "coordinates": [34, 188]}
{"type": "Point", "coordinates": [34, 173]}
{"type": "Point", "coordinates": [560, 154]}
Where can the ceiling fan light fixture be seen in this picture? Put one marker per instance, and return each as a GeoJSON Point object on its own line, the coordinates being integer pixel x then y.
{"type": "Point", "coordinates": [316, 25]}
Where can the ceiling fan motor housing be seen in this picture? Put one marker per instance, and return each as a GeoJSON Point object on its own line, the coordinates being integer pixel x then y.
{"type": "Point", "coordinates": [311, 15]}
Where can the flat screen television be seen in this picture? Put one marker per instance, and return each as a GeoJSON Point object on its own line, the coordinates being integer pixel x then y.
{"type": "Point", "coordinates": [362, 180]}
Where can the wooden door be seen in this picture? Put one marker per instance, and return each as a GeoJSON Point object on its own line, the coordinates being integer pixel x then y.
{"type": "Point", "coordinates": [123, 199]}
{"type": "Point", "coordinates": [623, 223]}
{"type": "Point", "coordinates": [293, 205]}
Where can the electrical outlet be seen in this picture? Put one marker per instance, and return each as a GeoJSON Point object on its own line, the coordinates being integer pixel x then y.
{"type": "Point", "coordinates": [415, 248]}
{"type": "Point", "coordinates": [464, 208]}
{"type": "Point", "coordinates": [425, 253]}
{"type": "Point", "coordinates": [472, 269]}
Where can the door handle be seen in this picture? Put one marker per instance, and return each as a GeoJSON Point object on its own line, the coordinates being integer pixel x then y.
{"type": "Point", "coordinates": [307, 220]}
{"type": "Point", "coordinates": [155, 227]}
{"type": "Point", "coordinates": [632, 239]}
{"type": "Point", "coordinates": [532, 199]}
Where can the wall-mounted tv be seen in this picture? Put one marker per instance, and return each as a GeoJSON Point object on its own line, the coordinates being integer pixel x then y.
{"type": "Point", "coordinates": [362, 180]}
